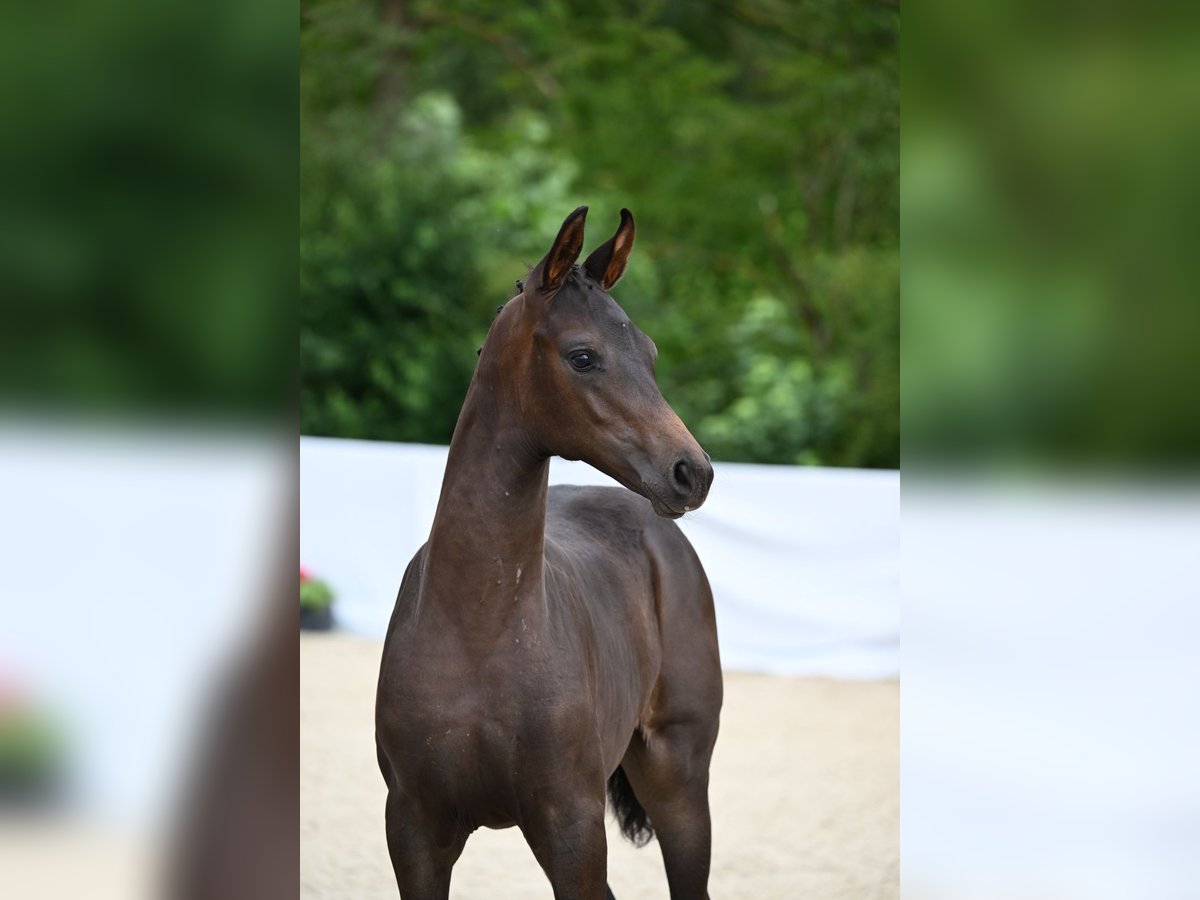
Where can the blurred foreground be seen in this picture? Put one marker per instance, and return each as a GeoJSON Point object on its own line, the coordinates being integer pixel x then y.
{"type": "Point", "coordinates": [1050, 731]}
{"type": "Point", "coordinates": [147, 263]}
{"type": "Point", "coordinates": [143, 625]}
{"type": "Point", "coordinates": [1051, 438]}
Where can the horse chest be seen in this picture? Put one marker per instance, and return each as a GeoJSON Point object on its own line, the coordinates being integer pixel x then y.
{"type": "Point", "coordinates": [502, 693]}
{"type": "Point", "coordinates": [483, 696]}
{"type": "Point", "coordinates": [535, 683]}
{"type": "Point", "coordinates": [471, 745]}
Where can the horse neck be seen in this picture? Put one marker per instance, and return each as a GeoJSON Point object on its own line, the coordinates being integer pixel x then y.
{"type": "Point", "coordinates": [486, 546]}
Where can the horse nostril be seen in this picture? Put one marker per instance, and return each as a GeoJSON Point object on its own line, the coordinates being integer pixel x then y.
{"type": "Point", "coordinates": [683, 476]}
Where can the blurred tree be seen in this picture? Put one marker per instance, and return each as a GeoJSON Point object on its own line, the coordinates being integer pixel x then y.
{"type": "Point", "coordinates": [757, 144]}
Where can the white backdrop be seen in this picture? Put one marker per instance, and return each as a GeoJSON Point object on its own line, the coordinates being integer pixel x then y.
{"type": "Point", "coordinates": [804, 562]}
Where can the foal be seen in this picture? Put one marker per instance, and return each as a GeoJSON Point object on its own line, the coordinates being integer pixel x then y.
{"type": "Point", "coordinates": [548, 642]}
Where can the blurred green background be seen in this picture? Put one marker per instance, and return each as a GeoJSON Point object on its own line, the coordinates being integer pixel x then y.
{"type": "Point", "coordinates": [1050, 197]}
{"type": "Point", "coordinates": [148, 180]}
{"type": "Point", "coordinates": [757, 144]}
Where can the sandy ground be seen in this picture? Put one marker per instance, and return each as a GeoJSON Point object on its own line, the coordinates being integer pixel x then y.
{"type": "Point", "coordinates": [805, 794]}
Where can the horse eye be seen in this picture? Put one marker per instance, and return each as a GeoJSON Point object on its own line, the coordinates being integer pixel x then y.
{"type": "Point", "coordinates": [581, 360]}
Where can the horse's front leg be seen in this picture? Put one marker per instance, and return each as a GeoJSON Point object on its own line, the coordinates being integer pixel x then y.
{"type": "Point", "coordinates": [422, 849]}
{"type": "Point", "coordinates": [566, 833]}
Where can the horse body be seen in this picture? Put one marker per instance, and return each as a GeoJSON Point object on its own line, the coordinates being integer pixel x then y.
{"type": "Point", "coordinates": [549, 641]}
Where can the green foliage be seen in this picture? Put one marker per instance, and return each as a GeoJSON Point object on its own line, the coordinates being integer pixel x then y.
{"type": "Point", "coordinates": [757, 146]}
{"type": "Point", "coordinates": [30, 744]}
{"type": "Point", "coordinates": [315, 594]}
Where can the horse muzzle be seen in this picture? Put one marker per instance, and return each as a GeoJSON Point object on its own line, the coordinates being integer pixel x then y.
{"type": "Point", "coordinates": [683, 488]}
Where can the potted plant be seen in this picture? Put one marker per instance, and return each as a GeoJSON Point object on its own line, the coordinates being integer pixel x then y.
{"type": "Point", "coordinates": [316, 603]}
{"type": "Point", "coordinates": [31, 757]}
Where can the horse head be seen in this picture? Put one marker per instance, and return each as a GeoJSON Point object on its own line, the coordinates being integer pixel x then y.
{"type": "Point", "coordinates": [582, 374]}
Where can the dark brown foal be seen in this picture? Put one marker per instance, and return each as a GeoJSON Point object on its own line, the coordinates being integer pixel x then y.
{"type": "Point", "coordinates": [547, 643]}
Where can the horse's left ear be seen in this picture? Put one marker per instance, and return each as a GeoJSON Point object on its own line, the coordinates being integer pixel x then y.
{"type": "Point", "coordinates": [606, 265]}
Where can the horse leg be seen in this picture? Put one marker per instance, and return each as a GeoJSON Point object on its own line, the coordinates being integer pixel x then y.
{"type": "Point", "coordinates": [570, 845]}
{"type": "Point", "coordinates": [422, 858]}
{"type": "Point", "coordinates": [669, 777]}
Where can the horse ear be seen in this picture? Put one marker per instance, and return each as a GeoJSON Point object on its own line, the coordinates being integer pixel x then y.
{"type": "Point", "coordinates": [548, 275]}
{"type": "Point", "coordinates": [606, 265]}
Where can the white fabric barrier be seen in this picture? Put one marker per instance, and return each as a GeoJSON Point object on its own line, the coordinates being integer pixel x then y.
{"type": "Point", "coordinates": [803, 562]}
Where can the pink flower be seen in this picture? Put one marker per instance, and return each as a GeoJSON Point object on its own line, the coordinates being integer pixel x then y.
{"type": "Point", "coordinates": [305, 575]}
{"type": "Point", "coordinates": [11, 694]}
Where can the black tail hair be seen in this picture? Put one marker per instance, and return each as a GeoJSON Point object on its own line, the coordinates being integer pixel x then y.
{"type": "Point", "coordinates": [634, 822]}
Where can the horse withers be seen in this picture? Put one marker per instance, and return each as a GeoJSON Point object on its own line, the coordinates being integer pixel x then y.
{"type": "Point", "coordinates": [552, 645]}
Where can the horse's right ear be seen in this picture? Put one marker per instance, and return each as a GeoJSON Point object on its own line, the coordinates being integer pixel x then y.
{"type": "Point", "coordinates": [548, 275]}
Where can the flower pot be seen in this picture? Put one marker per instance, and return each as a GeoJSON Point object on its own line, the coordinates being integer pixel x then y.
{"type": "Point", "coordinates": [30, 789]}
{"type": "Point", "coordinates": [318, 618]}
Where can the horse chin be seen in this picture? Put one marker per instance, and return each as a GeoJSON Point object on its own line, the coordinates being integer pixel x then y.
{"type": "Point", "coordinates": [634, 482]}
{"type": "Point", "coordinates": [660, 507]}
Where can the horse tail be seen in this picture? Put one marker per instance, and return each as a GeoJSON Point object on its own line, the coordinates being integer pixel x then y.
{"type": "Point", "coordinates": [632, 818]}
